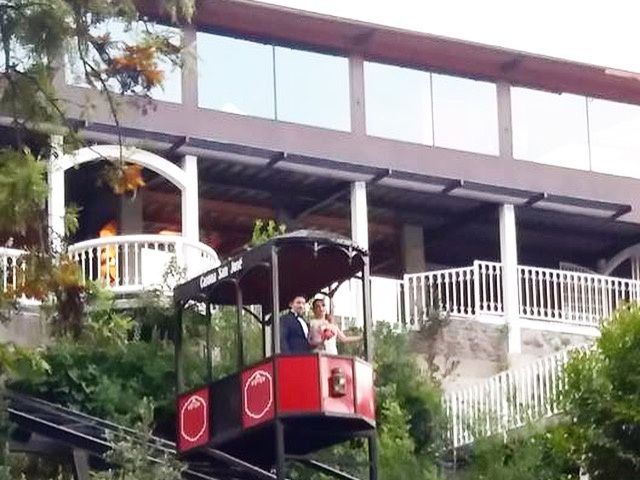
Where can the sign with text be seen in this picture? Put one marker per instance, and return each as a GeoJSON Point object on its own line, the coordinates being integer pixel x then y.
{"type": "Point", "coordinates": [220, 273]}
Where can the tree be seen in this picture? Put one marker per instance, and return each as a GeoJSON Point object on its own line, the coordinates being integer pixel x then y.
{"type": "Point", "coordinates": [36, 39]}
{"type": "Point", "coordinates": [602, 400]}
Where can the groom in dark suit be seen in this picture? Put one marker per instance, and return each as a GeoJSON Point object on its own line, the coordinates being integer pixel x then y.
{"type": "Point", "coordinates": [294, 330]}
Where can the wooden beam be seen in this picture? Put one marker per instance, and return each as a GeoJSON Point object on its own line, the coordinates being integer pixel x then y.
{"type": "Point", "coordinates": [236, 211]}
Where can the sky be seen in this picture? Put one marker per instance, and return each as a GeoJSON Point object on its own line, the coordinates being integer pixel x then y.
{"type": "Point", "coordinates": [605, 33]}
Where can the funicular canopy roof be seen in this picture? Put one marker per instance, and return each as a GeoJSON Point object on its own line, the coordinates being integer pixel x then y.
{"type": "Point", "coordinates": [308, 261]}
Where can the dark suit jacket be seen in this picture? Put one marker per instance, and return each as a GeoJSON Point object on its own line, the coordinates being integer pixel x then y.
{"type": "Point", "coordinates": [292, 337]}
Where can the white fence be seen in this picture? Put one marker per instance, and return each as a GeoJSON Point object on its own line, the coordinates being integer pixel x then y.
{"type": "Point", "coordinates": [131, 263]}
{"type": "Point", "coordinates": [544, 294]}
{"type": "Point", "coordinates": [505, 401]}
{"type": "Point", "coordinates": [572, 297]}
{"type": "Point", "coordinates": [12, 266]}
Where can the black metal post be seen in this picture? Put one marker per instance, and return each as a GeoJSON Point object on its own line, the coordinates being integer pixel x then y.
{"type": "Point", "coordinates": [208, 340]}
{"type": "Point", "coordinates": [239, 335]}
{"type": "Point", "coordinates": [369, 347]}
{"type": "Point", "coordinates": [178, 352]}
{"type": "Point", "coordinates": [372, 450]}
{"type": "Point", "coordinates": [264, 331]}
{"type": "Point", "coordinates": [275, 302]}
{"type": "Point", "coordinates": [281, 473]}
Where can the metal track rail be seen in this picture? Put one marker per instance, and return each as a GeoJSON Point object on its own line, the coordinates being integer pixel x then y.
{"type": "Point", "coordinates": [81, 431]}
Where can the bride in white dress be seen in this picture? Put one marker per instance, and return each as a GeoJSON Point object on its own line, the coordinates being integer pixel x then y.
{"type": "Point", "coordinates": [324, 332]}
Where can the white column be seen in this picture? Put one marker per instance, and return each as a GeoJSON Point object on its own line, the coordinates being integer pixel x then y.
{"type": "Point", "coordinates": [510, 282]}
{"type": "Point", "coordinates": [413, 249]}
{"type": "Point", "coordinates": [190, 208]}
{"type": "Point", "coordinates": [190, 216]}
{"type": "Point", "coordinates": [359, 216]}
{"type": "Point", "coordinates": [55, 201]}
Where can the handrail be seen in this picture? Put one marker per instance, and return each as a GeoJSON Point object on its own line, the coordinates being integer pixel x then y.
{"type": "Point", "coordinates": [141, 238]}
{"type": "Point", "coordinates": [544, 294]}
{"type": "Point", "coordinates": [507, 400]}
{"type": "Point", "coordinates": [11, 252]}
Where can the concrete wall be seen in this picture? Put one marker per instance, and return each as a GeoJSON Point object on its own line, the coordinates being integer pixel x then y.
{"type": "Point", "coordinates": [26, 328]}
{"type": "Point", "coordinates": [479, 350]}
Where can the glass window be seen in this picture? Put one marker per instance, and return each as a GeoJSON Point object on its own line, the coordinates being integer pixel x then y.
{"type": "Point", "coordinates": [171, 88]}
{"type": "Point", "coordinates": [398, 103]}
{"type": "Point", "coordinates": [614, 139]}
{"type": "Point", "coordinates": [550, 128]}
{"type": "Point", "coordinates": [465, 114]}
{"type": "Point", "coordinates": [235, 76]}
{"type": "Point", "coordinates": [312, 89]}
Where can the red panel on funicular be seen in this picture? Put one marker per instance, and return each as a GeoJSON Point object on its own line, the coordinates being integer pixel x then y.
{"type": "Point", "coordinates": [364, 391]}
{"type": "Point", "coordinates": [193, 419]}
{"type": "Point", "coordinates": [298, 384]}
{"type": "Point", "coordinates": [331, 403]}
{"type": "Point", "coordinates": [258, 403]}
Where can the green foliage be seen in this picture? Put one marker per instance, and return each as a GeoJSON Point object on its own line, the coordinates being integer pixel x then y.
{"type": "Point", "coordinates": [399, 457]}
{"type": "Point", "coordinates": [110, 382]}
{"type": "Point", "coordinates": [398, 376]}
{"type": "Point", "coordinates": [524, 455]}
{"type": "Point", "coordinates": [23, 190]}
{"type": "Point", "coordinates": [225, 340]}
{"type": "Point", "coordinates": [602, 400]}
{"type": "Point", "coordinates": [265, 231]}
{"type": "Point", "coordinates": [35, 35]}
{"type": "Point", "coordinates": [133, 457]}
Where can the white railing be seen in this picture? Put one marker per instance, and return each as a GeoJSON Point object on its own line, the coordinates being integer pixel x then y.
{"type": "Point", "coordinates": [461, 292]}
{"type": "Point", "coordinates": [572, 297]}
{"type": "Point", "coordinates": [508, 400]}
{"type": "Point", "coordinates": [576, 298]}
{"type": "Point", "coordinates": [12, 265]}
{"type": "Point", "coordinates": [445, 291]}
{"type": "Point", "coordinates": [489, 275]}
{"type": "Point", "coordinates": [131, 263]}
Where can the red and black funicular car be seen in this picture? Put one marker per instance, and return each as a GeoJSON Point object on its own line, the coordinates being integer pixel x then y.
{"type": "Point", "coordinates": [286, 407]}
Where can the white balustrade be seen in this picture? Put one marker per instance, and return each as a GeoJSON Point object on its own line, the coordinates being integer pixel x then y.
{"type": "Point", "coordinates": [132, 263]}
{"type": "Point", "coordinates": [12, 266]}
{"type": "Point", "coordinates": [489, 288]}
{"type": "Point", "coordinates": [446, 291]}
{"type": "Point", "coordinates": [569, 297]}
{"type": "Point", "coordinates": [508, 400]}
{"type": "Point", "coordinates": [572, 297]}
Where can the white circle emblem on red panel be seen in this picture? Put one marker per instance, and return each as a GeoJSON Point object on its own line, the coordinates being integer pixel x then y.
{"type": "Point", "coordinates": [258, 395]}
{"type": "Point", "coordinates": [193, 418]}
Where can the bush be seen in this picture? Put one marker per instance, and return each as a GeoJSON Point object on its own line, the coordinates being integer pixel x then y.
{"type": "Point", "coordinates": [603, 400]}
{"type": "Point", "coordinates": [110, 382]}
{"type": "Point", "coordinates": [525, 455]}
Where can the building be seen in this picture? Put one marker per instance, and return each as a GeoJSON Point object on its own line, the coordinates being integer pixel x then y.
{"type": "Point", "coordinates": [501, 187]}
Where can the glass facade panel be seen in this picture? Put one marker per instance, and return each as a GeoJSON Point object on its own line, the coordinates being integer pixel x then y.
{"type": "Point", "coordinates": [235, 76]}
{"type": "Point", "coordinates": [614, 137]}
{"type": "Point", "coordinates": [550, 128]}
{"type": "Point", "coordinates": [171, 89]}
{"type": "Point", "coordinates": [398, 103]}
{"type": "Point", "coordinates": [465, 114]}
{"type": "Point", "coordinates": [312, 89]}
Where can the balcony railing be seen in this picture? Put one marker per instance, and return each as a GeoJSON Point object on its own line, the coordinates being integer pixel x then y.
{"type": "Point", "coordinates": [544, 294]}
{"type": "Point", "coordinates": [127, 263]}
{"type": "Point", "coordinates": [12, 265]}
{"type": "Point", "coordinates": [508, 400]}
{"type": "Point", "coordinates": [131, 263]}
